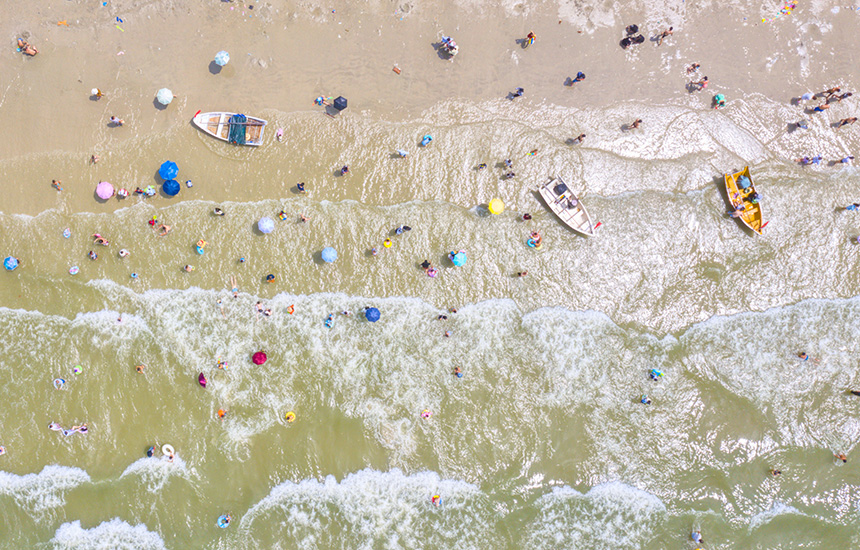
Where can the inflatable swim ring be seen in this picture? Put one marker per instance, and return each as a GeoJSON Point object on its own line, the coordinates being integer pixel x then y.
{"type": "Point", "coordinates": [59, 383]}
{"type": "Point", "coordinates": [436, 500]}
{"type": "Point", "coordinates": [123, 253]}
{"type": "Point", "coordinates": [282, 215]}
{"type": "Point", "coordinates": [432, 272]}
{"type": "Point", "coordinates": [426, 413]}
{"type": "Point", "coordinates": [224, 521]}
{"type": "Point", "coordinates": [167, 450]}
{"type": "Point", "coordinates": [532, 244]}
{"type": "Point", "coordinates": [387, 242]}
{"type": "Point", "coordinates": [291, 309]}
{"type": "Point", "coordinates": [2, 450]}
{"type": "Point", "coordinates": [290, 417]}
{"type": "Point", "coordinates": [200, 250]}
{"type": "Point", "coordinates": [73, 270]}
{"type": "Point", "coordinates": [77, 369]}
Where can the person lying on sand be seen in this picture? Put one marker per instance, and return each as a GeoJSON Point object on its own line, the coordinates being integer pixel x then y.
{"type": "Point", "coordinates": [26, 48]}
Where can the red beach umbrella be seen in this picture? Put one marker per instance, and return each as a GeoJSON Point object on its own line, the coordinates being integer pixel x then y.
{"type": "Point", "coordinates": [259, 358]}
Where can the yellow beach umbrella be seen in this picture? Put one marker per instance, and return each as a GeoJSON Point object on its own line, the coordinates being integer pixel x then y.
{"type": "Point", "coordinates": [496, 206]}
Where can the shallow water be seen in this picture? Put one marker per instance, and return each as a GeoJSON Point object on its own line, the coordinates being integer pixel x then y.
{"type": "Point", "coordinates": [543, 442]}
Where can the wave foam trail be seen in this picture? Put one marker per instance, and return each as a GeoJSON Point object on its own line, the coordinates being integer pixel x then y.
{"type": "Point", "coordinates": [612, 515]}
{"type": "Point", "coordinates": [155, 472]}
{"type": "Point", "coordinates": [370, 510]}
{"type": "Point", "coordinates": [111, 535]}
{"type": "Point", "coordinates": [44, 491]}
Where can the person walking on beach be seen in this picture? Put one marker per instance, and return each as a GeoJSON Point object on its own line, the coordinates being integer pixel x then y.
{"type": "Point", "coordinates": [693, 68]}
{"type": "Point", "coordinates": [529, 40]}
{"type": "Point", "coordinates": [579, 138]}
{"type": "Point", "coordinates": [345, 170]}
{"type": "Point", "coordinates": [843, 96]}
{"type": "Point", "coordinates": [821, 108]}
{"type": "Point", "coordinates": [846, 121]}
{"type": "Point", "coordinates": [665, 34]}
{"type": "Point", "coordinates": [580, 76]}
{"type": "Point", "coordinates": [699, 86]}
{"type": "Point", "coordinates": [847, 160]}
{"type": "Point", "coordinates": [635, 124]}
{"type": "Point", "coordinates": [517, 93]}
{"type": "Point", "coordinates": [830, 92]}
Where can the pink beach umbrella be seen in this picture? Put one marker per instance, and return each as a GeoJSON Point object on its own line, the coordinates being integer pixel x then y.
{"type": "Point", "coordinates": [259, 358]}
{"type": "Point", "coordinates": [104, 190]}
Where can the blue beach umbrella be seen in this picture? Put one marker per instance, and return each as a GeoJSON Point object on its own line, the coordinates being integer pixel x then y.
{"type": "Point", "coordinates": [10, 263]}
{"type": "Point", "coordinates": [266, 225]}
{"type": "Point", "coordinates": [170, 187]}
{"type": "Point", "coordinates": [459, 259]}
{"type": "Point", "coordinates": [168, 170]}
{"type": "Point", "coordinates": [222, 58]}
{"type": "Point", "coordinates": [371, 314]}
{"type": "Point", "coordinates": [329, 254]}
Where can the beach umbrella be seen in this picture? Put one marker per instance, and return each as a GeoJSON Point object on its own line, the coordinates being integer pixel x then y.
{"type": "Point", "coordinates": [164, 96]}
{"type": "Point", "coordinates": [10, 263]}
{"type": "Point", "coordinates": [170, 188]}
{"type": "Point", "coordinates": [497, 206]}
{"type": "Point", "coordinates": [168, 170]}
{"type": "Point", "coordinates": [371, 314]}
{"type": "Point", "coordinates": [104, 190]}
{"type": "Point", "coordinates": [222, 58]}
{"type": "Point", "coordinates": [329, 254]}
{"type": "Point", "coordinates": [266, 225]}
{"type": "Point", "coordinates": [459, 259]}
{"type": "Point", "coordinates": [259, 358]}
{"type": "Point", "coordinates": [340, 103]}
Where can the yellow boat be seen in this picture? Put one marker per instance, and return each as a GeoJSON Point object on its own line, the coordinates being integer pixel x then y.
{"type": "Point", "coordinates": [744, 200]}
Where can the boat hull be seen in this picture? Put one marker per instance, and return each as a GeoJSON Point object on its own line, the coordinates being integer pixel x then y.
{"type": "Point", "coordinates": [217, 125]}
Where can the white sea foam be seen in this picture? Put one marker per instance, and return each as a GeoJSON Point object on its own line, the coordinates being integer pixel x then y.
{"type": "Point", "coordinates": [371, 509]}
{"type": "Point", "coordinates": [115, 534]}
{"type": "Point", "coordinates": [612, 515]}
{"type": "Point", "coordinates": [154, 472]}
{"type": "Point", "coordinates": [42, 492]}
{"type": "Point", "coordinates": [778, 509]}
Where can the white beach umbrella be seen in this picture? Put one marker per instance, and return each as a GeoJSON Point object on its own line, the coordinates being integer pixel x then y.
{"type": "Point", "coordinates": [222, 58]}
{"type": "Point", "coordinates": [164, 96]}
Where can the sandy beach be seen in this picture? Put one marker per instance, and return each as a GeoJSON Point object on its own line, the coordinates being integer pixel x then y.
{"type": "Point", "coordinates": [544, 442]}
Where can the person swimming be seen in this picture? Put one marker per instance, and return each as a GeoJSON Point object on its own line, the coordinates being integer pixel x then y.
{"type": "Point", "coordinates": [458, 372]}
{"type": "Point", "coordinates": [329, 320]}
{"type": "Point", "coordinates": [655, 375]}
{"type": "Point", "coordinates": [645, 400]}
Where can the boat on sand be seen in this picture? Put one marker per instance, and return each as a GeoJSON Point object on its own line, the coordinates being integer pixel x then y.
{"type": "Point", "coordinates": [233, 128]}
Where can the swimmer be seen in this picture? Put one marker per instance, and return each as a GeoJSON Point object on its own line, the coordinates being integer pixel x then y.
{"type": "Point", "coordinates": [123, 253]}
{"type": "Point", "coordinates": [842, 457]}
{"type": "Point", "coordinates": [522, 273]}
{"type": "Point", "coordinates": [436, 500]}
{"type": "Point", "coordinates": [803, 356]}
{"type": "Point", "coordinates": [655, 375]}
{"type": "Point", "coordinates": [98, 239]}
{"type": "Point", "coordinates": [165, 229]}
{"type": "Point", "coordinates": [291, 309]}
{"type": "Point", "coordinates": [645, 400]}
{"type": "Point", "coordinates": [347, 313]}
{"type": "Point", "coordinates": [259, 307]}
{"type": "Point", "coordinates": [458, 372]}
{"type": "Point", "coordinates": [218, 211]}
{"type": "Point", "coordinates": [481, 166]}
{"type": "Point", "coordinates": [54, 426]}
{"type": "Point", "coordinates": [82, 429]}
{"type": "Point", "coordinates": [510, 175]}
{"type": "Point", "coordinates": [235, 286]}
{"type": "Point", "coordinates": [134, 275]}
{"type": "Point", "coordinates": [57, 184]}
{"type": "Point", "coordinates": [452, 310]}
{"type": "Point", "coordinates": [329, 320]}
{"type": "Point", "coordinates": [527, 217]}
{"type": "Point", "coordinates": [222, 413]}
{"type": "Point", "coordinates": [775, 472]}
{"type": "Point", "coordinates": [93, 255]}
{"type": "Point", "coordinates": [189, 268]}
{"type": "Point", "coordinates": [447, 334]}
{"type": "Point", "coordinates": [579, 138]}
{"type": "Point", "coordinates": [270, 278]}
{"type": "Point", "coordinates": [303, 218]}
{"type": "Point", "coordinates": [442, 318]}
{"type": "Point", "coordinates": [2, 450]}
{"type": "Point", "coordinates": [150, 451]}
{"type": "Point", "coordinates": [221, 307]}
{"type": "Point", "coordinates": [267, 312]}
{"type": "Point", "coordinates": [345, 170]}
{"type": "Point", "coordinates": [374, 251]}
{"type": "Point", "coordinates": [140, 368]}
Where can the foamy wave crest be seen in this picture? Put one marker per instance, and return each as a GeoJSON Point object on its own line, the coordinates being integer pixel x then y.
{"type": "Point", "coordinates": [610, 516]}
{"type": "Point", "coordinates": [778, 509]}
{"type": "Point", "coordinates": [155, 472]}
{"type": "Point", "coordinates": [111, 535]}
{"type": "Point", "coordinates": [371, 510]}
{"type": "Point", "coordinates": [43, 491]}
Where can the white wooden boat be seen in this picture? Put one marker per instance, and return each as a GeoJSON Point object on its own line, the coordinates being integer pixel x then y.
{"type": "Point", "coordinates": [565, 204]}
{"type": "Point", "coordinates": [218, 124]}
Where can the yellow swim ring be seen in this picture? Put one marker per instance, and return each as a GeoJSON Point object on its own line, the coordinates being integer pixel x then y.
{"type": "Point", "coordinates": [290, 417]}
